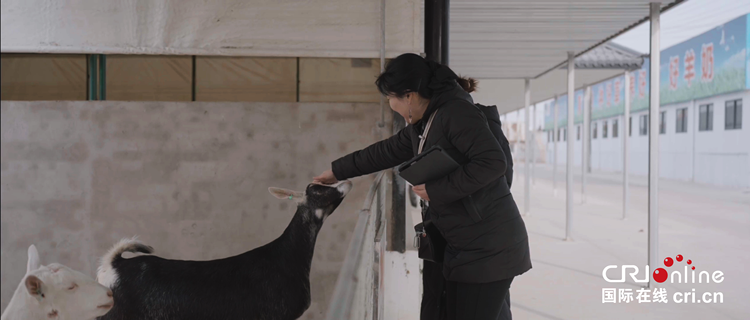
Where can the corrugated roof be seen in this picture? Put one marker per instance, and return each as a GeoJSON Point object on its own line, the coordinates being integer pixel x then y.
{"type": "Point", "coordinates": [515, 39]}
{"type": "Point", "coordinates": [609, 56]}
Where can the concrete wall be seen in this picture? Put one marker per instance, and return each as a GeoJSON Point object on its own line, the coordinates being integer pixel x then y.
{"type": "Point", "coordinates": [190, 178]}
{"type": "Point", "coordinates": [718, 157]}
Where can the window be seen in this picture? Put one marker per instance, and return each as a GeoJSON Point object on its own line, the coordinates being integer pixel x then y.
{"type": "Point", "coordinates": [662, 122]}
{"type": "Point", "coordinates": [643, 127]}
{"type": "Point", "coordinates": [733, 115]}
{"type": "Point", "coordinates": [559, 131]}
{"type": "Point", "coordinates": [578, 133]}
{"type": "Point", "coordinates": [548, 136]}
{"type": "Point", "coordinates": [604, 129]}
{"type": "Point", "coordinates": [614, 128]}
{"type": "Point", "coordinates": [565, 134]}
{"type": "Point", "coordinates": [706, 118]}
{"type": "Point", "coordinates": [681, 120]}
{"type": "Point", "coordinates": [630, 126]}
{"type": "Point", "coordinates": [594, 135]}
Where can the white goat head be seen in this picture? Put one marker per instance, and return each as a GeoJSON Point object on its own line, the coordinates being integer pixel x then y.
{"type": "Point", "coordinates": [57, 292]}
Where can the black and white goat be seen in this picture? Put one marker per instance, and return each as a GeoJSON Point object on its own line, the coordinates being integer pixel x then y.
{"type": "Point", "coordinates": [268, 282]}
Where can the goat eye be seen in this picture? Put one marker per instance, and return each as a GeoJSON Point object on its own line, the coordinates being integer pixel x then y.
{"type": "Point", "coordinates": [72, 287]}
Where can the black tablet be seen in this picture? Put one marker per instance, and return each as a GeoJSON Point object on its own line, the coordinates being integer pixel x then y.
{"type": "Point", "coordinates": [429, 165]}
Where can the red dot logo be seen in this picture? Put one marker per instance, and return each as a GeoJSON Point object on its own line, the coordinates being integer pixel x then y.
{"type": "Point", "coordinates": [668, 262]}
{"type": "Point", "coordinates": [660, 275]}
{"type": "Point", "coordinates": [689, 261]}
{"type": "Point", "coordinates": [679, 258]}
{"type": "Point", "coordinates": [693, 268]}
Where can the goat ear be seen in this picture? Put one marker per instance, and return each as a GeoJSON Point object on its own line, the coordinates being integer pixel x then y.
{"type": "Point", "coordinates": [34, 286]}
{"type": "Point", "coordinates": [33, 262]}
{"type": "Point", "coordinates": [286, 194]}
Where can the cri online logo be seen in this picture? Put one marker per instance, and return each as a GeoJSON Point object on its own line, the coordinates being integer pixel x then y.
{"type": "Point", "coordinates": [660, 275]}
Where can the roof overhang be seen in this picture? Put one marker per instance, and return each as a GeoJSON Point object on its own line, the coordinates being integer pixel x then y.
{"type": "Point", "coordinates": [527, 39]}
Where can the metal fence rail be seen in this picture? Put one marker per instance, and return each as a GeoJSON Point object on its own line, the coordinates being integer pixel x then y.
{"type": "Point", "coordinates": [359, 288]}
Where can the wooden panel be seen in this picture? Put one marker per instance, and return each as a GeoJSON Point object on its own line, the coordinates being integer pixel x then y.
{"type": "Point", "coordinates": [339, 80]}
{"type": "Point", "coordinates": [246, 79]}
{"type": "Point", "coordinates": [43, 77]}
{"type": "Point", "coordinates": [149, 78]}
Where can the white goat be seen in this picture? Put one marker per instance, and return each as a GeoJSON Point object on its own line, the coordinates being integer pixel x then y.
{"type": "Point", "coordinates": [57, 292]}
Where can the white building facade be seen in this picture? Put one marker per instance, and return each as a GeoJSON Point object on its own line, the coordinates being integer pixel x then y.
{"type": "Point", "coordinates": [704, 134]}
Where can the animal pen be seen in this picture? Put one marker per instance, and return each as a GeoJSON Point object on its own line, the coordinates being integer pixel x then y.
{"type": "Point", "coordinates": [170, 119]}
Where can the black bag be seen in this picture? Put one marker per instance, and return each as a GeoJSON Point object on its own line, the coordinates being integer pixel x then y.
{"type": "Point", "coordinates": [428, 239]}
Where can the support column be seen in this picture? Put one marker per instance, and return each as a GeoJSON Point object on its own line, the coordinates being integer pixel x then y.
{"type": "Point", "coordinates": [93, 73]}
{"type": "Point", "coordinates": [444, 31]}
{"type": "Point", "coordinates": [653, 143]}
{"type": "Point", "coordinates": [588, 150]}
{"type": "Point", "coordinates": [533, 143]}
{"type": "Point", "coordinates": [527, 152]}
{"type": "Point", "coordinates": [695, 109]}
{"type": "Point", "coordinates": [625, 148]}
{"type": "Point", "coordinates": [382, 60]}
{"type": "Point", "coordinates": [102, 77]}
{"type": "Point", "coordinates": [585, 140]}
{"type": "Point", "coordinates": [569, 154]}
{"type": "Point", "coordinates": [433, 14]}
{"type": "Point", "coordinates": [518, 128]}
{"type": "Point", "coordinates": [555, 138]}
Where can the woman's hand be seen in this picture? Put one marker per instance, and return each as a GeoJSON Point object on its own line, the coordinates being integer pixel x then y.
{"type": "Point", "coordinates": [327, 177]}
{"type": "Point", "coordinates": [421, 192]}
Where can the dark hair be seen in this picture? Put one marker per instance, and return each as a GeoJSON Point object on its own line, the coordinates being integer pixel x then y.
{"type": "Point", "coordinates": [412, 73]}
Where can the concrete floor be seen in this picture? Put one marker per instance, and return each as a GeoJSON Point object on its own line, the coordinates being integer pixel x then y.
{"type": "Point", "coordinates": [709, 225]}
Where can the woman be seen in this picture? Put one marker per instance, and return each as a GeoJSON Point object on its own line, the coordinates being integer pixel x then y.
{"type": "Point", "coordinates": [472, 207]}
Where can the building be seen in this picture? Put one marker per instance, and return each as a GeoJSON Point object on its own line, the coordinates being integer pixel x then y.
{"type": "Point", "coordinates": [704, 82]}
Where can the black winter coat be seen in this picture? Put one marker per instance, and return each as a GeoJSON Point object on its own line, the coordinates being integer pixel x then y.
{"type": "Point", "coordinates": [472, 207]}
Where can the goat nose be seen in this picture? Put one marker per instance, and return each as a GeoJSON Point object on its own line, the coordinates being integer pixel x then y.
{"type": "Point", "coordinates": [109, 293]}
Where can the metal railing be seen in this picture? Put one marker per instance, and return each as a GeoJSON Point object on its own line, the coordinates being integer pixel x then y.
{"type": "Point", "coordinates": [359, 288]}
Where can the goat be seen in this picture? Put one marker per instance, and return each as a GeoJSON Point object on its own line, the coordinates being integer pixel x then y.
{"type": "Point", "coordinates": [269, 282]}
{"type": "Point", "coordinates": [56, 292]}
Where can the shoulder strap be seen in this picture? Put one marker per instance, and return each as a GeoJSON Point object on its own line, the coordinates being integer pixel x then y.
{"type": "Point", "coordinates": [423, 137]}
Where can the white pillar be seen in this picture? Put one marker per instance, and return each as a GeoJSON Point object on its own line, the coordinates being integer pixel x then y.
{"type": "Point", "coordinates": [696, 123]}
{"type": "Point", "coordinates": [554, 147]}
{"type": "Point", "coordinates": [518, 128]}
{"type": "Point", "coordinates": [653, 144]}
{"type": "Point", "coordinates": [570, 140]}
{"type": "Point", "coordinates": [625, 147]}
{"type": "Point", "coordinates": [533, 144]}
{"type": "Point", "coordinates": [527, 152]}
{"type": "Point", "coordinates": [585, 141]}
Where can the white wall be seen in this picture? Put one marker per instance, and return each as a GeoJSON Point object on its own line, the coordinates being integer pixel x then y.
{"type": "Point", "coordinates": [718, 157]}
{"type": "Point", "coordinates": [606, 152]}
{"type": "Point", "coordinates": [722, 156]}
{"type": "Point", "coordinates": [677, 148]}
